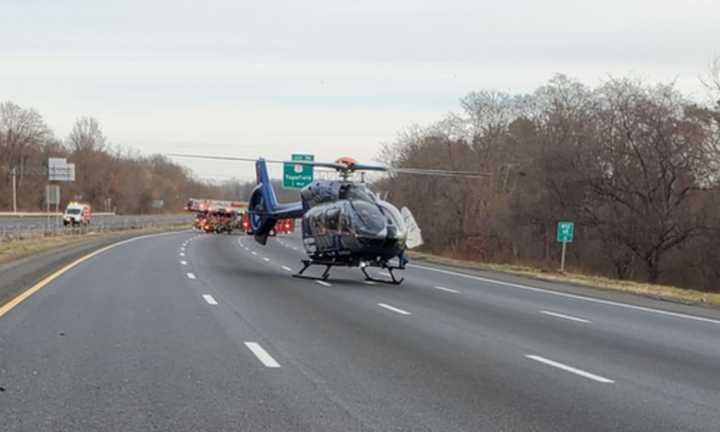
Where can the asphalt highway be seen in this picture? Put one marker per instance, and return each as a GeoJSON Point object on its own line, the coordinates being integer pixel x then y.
{"type": "Point", "coordinates": [193, 332]}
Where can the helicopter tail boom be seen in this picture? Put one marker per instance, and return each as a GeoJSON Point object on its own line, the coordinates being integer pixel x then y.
{"type": "Point", "coordinates": [264, 208]}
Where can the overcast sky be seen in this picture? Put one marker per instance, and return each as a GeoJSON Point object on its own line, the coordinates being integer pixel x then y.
{"type": "Point", "coordinates": [327, 77]}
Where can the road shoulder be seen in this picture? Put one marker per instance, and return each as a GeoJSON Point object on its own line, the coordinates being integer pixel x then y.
{"type": "Point", "coordinates": [18, 275]}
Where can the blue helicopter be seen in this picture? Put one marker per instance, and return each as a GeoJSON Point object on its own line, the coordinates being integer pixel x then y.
{"type": "Point", "coordinates": [344, 223]}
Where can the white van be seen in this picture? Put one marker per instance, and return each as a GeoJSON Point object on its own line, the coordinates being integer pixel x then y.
{"type": "Point", "coordinates": [77, 214]}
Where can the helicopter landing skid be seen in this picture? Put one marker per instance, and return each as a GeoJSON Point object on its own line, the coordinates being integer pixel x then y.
{"type": "Point", "coordinates": [307, 264]}
{"type": "Point", "coordinates": [393, 280]}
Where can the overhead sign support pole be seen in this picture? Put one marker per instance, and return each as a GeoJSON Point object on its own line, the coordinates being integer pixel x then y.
{"type": "Point", "coordinates": [14, 187]}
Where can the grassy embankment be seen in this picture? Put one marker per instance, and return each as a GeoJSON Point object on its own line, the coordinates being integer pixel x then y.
{"type": "Point", "coordinates": [663, 292]}
{"type": "Point", "coordinates": [16, 249]}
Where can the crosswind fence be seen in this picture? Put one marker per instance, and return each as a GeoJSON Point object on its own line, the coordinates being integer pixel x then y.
{"type": "Point", "coordinates": [38, 227]}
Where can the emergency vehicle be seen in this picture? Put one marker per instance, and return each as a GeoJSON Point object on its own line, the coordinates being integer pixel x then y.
{"type": "Point", "coordinates": [282, 226]}
{"type": "Point", "coordinates": [77, 214]}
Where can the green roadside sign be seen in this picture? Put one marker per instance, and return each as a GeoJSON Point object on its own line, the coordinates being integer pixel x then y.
{"type": "Point", "coordinates": [297, 176]}
{"type": "Point", "coordinates": [565, 232]}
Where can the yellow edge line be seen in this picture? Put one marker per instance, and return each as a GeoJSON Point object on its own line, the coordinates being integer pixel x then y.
{"type": "Point", "coordinates": [7, 307]}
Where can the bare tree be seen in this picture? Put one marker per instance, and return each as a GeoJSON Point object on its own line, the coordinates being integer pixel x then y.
{"type": "Point", "coordinates": [86, 135]}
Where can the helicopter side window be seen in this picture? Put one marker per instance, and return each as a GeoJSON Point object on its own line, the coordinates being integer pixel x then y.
{"type": "Point", "coordinates": [345, 223]}
{"type": "Point", "coordinates": [332, 218]}
{"type": "Point", "coordinates": [315, 222]}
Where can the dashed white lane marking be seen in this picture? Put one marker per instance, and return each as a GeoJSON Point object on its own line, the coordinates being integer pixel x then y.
{"type": "Point", "coordinates": [182, 254]}
{"type": "Point", "coordinates": [262, 355]}
{"type": "Point", "coordinates": [450, 290]}
{"type": "Point", "coordinates": [370, 282]}
{"type": "Point", "coordinates": [566, 317]}
{"type": "Point", "coordinates": [394, 309]}
{"type": "Point", "coordinates": [286, 268]}
{"type": "Point", "coordinates": [253, 252]}
{"type": "Point", "coordinates": [572, 296]}
{"type": "Point", "coordinates": [571, 369]}
{"type": "Point", "coordinates": [191, 276]}
{"type": "Point", "coordinates": [183, 262]}
{"type": "Point", "coordinates": [266, 259]}
{"type": "Point", "coordinates": [208, 298]}
{"type": "Point", "coordinates": [323, 283]}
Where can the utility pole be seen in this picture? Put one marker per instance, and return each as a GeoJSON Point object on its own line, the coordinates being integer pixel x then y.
{"type": "Point", "coordinates": [14, 187]}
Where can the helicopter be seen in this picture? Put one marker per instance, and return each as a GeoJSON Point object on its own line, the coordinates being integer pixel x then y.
{"type": "Point", "coordinates": [344, 223]}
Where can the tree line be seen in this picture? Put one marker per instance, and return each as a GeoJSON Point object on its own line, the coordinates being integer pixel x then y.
{"type": "Point", "coordinates": [635, 166]}
{"type": "Point", "coordinates": [108, 177]}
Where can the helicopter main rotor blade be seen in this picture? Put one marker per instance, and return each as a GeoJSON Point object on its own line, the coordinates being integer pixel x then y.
{"type": "Point", "coordinates": [332, 165]}
{"type": "Point", "coordinates": [340, 167]}
{"type": "Point", "coordinates": [438, 173]}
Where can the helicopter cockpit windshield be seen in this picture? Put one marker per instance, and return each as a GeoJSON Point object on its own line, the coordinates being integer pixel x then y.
{"type": "Point", "coordinates": [394, 219]}
{"type": "Point", "coordinates": [367, 219]}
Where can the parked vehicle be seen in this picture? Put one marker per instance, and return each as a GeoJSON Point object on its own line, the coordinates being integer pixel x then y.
{"type": "Point", "coordinates": [282, 226]}
{"type": "Point", "coordinates": [77, 214]}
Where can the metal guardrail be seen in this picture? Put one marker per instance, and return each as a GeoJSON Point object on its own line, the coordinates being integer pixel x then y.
{"type": "Point", "coordinates": [44, 214]}
{"type": "Point", "coordinates": [52, 227]}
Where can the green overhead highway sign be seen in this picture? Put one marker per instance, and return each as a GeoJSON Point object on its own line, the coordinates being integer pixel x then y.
{"type": "Point", "coordinates": [565, 232]}
{"type": "Point", "coordinates": [296, 176]}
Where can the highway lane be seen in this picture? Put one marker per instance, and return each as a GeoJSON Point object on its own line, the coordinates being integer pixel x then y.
{"type": "Point", "coordinates": [195, 332]}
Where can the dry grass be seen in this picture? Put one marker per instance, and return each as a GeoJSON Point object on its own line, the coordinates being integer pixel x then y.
{"type": "Point", "coordinates": [16, 249]}
{"type": "Point", "coordinates": [664, 292]}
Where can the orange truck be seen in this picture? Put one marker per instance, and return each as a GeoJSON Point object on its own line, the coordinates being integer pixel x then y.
{"type": "Point", "coordinates": [283, 226]}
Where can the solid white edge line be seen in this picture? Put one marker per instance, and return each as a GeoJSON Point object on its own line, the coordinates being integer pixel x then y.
{"type": "Point", "coordinates": [191, 276]}
{"type": "Point", "coordinates": [286, 268]}
{"type": "Point", "coordinates": [262, 355]}
{"type": "Point", "coordinates": [566, 317]}
{"type": "Point", "coordinates": [210, 299]}
{"type": "Point", "coordinates": [323, 283]}
{"type": "Point", "coordinates": [394, 309]}
{"type": "Point", "coordinates": [450, 290]}
{"type": "Point", "coordinates": [570, 369]}
{"type": "Point", "coordinates": [572, 296]}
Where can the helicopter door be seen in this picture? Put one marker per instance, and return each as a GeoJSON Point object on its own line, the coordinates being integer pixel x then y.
{"type": "Point", "coordinates": [414, 235]}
